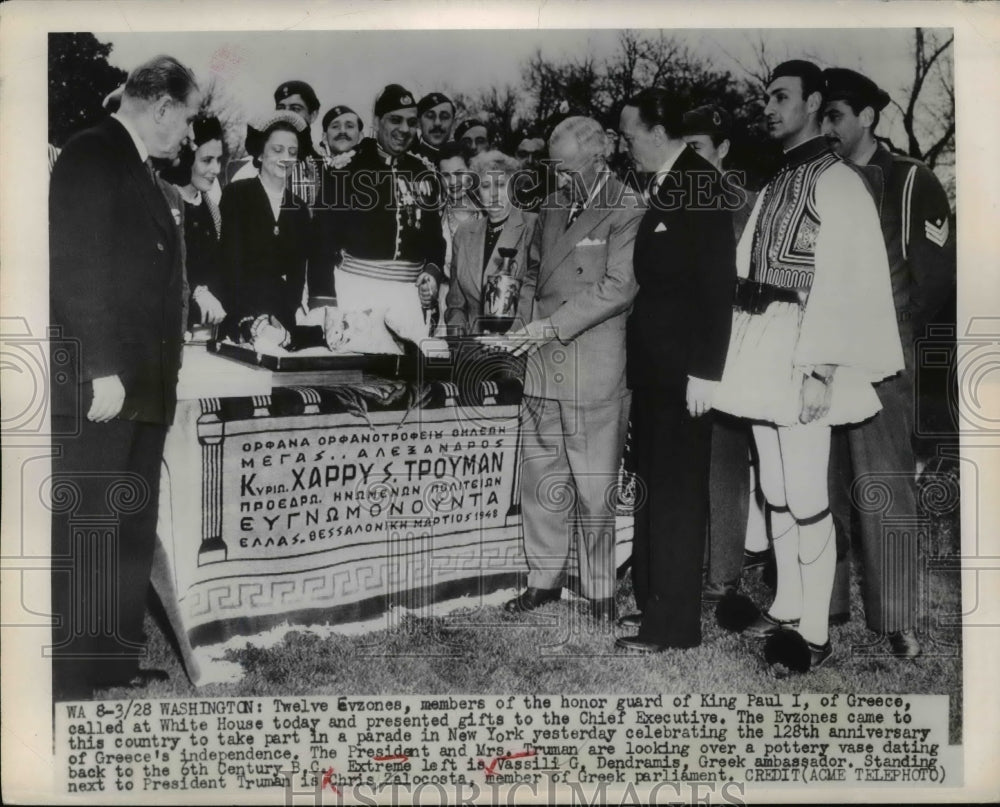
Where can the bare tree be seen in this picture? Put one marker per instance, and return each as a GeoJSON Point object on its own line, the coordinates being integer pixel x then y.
{"type": "Point", "coordinates": [575, 85]}
{"type": "Point", "coordinates": [500, 106]}
{"type": "Point", "coordinates": [929, 109]}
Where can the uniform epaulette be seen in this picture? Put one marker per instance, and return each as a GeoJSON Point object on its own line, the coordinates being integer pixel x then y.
{"type": "Point", "coordinates": [906, 158]}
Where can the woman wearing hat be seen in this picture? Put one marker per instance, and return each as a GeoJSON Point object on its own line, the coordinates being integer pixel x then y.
{"type": "Point", "coordinates": [265, 233]}
{"type": "Point", "coordinates": [194, 175]}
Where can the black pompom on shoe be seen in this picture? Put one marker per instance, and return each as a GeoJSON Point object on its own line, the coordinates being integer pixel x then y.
{"type": "Point", "coordinates": [787, 652]}
{"type": "Point", "coordinates": [736, 612]}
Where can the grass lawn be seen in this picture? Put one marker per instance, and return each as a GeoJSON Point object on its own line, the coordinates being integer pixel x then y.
{"type": "Point", "coordinates": [558, 649]}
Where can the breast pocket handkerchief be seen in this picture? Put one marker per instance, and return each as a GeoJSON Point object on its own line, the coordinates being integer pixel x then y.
{"type": "Point", "coordinates": [660, 228]}
{"type": "Point", "coordinates": [592, 242]}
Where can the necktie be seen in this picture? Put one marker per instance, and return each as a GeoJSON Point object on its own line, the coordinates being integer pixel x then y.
{"type": "Point", "coordinates": [150, 170]}
{"type": "Point", "coordinates": [574, 214]}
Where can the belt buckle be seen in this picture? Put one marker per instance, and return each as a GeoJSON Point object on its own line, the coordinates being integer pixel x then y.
{"type": "Point", "coordinates": [756, 299]}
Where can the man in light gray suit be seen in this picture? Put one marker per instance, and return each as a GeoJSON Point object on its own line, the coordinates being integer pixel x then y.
{"type": "Point", "coordinates": [576, 403]}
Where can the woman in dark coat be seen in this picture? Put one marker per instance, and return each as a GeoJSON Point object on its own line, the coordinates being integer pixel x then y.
{"type": "Point", "coordinates": [194, 175]}
{"type": "Point", "coordinates": [265, 230]}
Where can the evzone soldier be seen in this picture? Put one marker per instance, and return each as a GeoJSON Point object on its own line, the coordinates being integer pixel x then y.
{"type": "Point", "coordinates": [813, 330]}
{"type": "Point", "coordinates": [914, 215]}
{"type": "Point", "coordinates": [378, 243]}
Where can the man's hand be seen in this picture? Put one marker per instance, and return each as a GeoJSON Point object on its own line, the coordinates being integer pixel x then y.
{"type": "Point", "coordinates": [816, 394]}
{"type": "Point", "coordinates": [109, 395]}
{"type": "Point", "coordinates": [427, 287]}
{"type": "Point", "coordinates": [524, 340]}
{"type": "Point", "coordinates": [212, 312]}
{"type": "Point", "coordinates": [700, 394]}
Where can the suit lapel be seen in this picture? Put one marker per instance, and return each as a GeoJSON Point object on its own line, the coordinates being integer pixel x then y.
{"type": "Point", "coordinates": [564, 240]}
{"type": "Point", "coordinates": [151, 194]}
{"type": "Point", "coordinates": [477, 243]}
{"type": "Point", "coordinates": [673, 182]}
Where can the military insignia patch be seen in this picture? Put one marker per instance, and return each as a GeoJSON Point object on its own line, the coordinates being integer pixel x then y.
{"type": "Point", "coordinates": [936, 232]}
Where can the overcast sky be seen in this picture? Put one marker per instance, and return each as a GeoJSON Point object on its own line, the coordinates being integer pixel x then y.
{"type": "Point", "coordinates": [350, 67]}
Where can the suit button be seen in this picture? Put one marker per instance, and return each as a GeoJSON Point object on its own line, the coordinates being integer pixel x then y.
{"type": "Point", "coordinates": [159, 247]}
{"type": "Point", "coordinates": [579, 270]}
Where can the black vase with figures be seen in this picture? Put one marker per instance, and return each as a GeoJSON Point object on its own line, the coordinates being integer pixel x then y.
{"type": "Point", "coordinates": [501, 292]}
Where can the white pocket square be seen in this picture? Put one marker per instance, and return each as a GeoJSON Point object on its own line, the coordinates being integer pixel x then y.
{"type": "Point", "coordinates": [591, 242]}
{"type": "Point", "coordinates": [660, 228]}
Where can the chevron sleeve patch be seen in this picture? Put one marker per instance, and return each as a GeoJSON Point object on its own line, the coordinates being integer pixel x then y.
{"type": "Point", "coordinates": [936, 232]}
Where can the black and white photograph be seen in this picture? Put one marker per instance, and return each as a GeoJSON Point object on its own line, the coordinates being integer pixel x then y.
{"type": "Point", "coordinates": [580, 406]}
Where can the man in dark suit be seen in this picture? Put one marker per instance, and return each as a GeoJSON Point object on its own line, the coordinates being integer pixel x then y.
{"type": "Point", "coordinates": [677, 338]}
{"type": "Point", "coordinates": [116, 291]}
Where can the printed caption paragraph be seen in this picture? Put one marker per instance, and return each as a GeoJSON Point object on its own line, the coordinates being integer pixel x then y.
{"type": "Point", "coordinates": [338, 745]}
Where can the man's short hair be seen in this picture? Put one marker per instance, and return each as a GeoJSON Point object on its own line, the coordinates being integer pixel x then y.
{"type": "Point", "coordinates": [660, 107]}
{"type": "Point", "coordinates": [588, 133]}
{"type": "Point", "coordinates": [492, 162]}
{"type": "Point", "coordinates": [161, 75]}
{"type": "Point", "coordinates": [806, 72]}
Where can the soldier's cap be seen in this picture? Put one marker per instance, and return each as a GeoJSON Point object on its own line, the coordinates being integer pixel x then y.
{"type": "Point", "coordinates": [393, 97]}
{"type": "Point", "coordinates": [431, 100]}
{"type": "Point", "coordinates": [469, 123]}
{"type": "Point", "coordinates": [335, 112]}
{"type": "Point", "coordinates": [847, 85]}
{"type": "Point", "coordinates": [807, 72]}
{"type": "Point", "coordinates": [260, 129]}
{"type": "Point", "coordinates": [296, 87]}
{"type": "Point", "coordinates": [708, 120]}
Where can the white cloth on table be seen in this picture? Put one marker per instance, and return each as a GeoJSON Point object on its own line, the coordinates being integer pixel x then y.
{"type": "Point", "coordinates": [848, 321]}
{"type": "Point", "coordinates": [389, 301]}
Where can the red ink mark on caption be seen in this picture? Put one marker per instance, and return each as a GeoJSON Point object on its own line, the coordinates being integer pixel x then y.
{"type": "Point", "coordinates": [328, 780]}
{"type": "Point", "coordinates": [392, 758]}
{"type": "Point", "coordinates": [491, 768]}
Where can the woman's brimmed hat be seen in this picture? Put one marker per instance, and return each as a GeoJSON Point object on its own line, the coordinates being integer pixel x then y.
{"type": "Point", "coordinates": [260, 130]}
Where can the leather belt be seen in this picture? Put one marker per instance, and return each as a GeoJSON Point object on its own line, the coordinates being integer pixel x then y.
{"type": "Point", "coordinates": [754, 297]}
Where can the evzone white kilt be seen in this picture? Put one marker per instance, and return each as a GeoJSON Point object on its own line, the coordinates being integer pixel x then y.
{"type": "Point", "coordinates": [761, 382]}
{"type": "Point", "coordinates": [387, 289]}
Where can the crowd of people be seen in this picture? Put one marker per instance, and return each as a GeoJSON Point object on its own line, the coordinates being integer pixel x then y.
{"type": "Point", "coordinates": [740, 333]}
